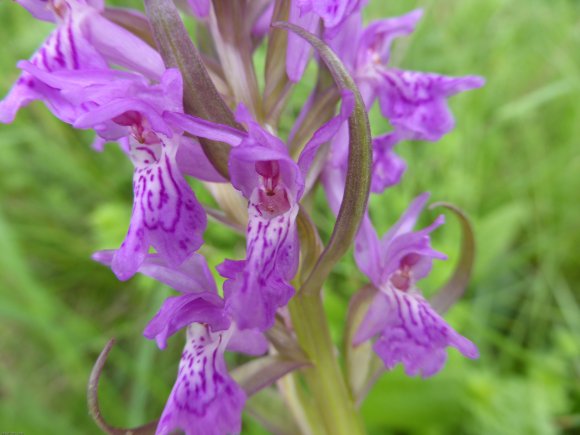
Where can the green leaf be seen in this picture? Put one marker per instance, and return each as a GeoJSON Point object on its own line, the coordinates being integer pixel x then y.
{"type": "Point", "coordinates": [456, 285]}
{"type": "Point", "coordinates": [263, 372]}
{"type": "Point", "coordinates": [356, 191]}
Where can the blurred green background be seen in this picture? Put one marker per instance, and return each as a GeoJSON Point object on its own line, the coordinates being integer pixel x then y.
{"type": "Point", "coordinates": [512, 163]}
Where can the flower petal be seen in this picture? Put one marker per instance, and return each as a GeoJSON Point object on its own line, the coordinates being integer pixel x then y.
{"type": "Point", "coordinates": [192, 276]}
{"type": "Point", "coordinates": [122, 47]}
{"type": "Point", "coordinates": [205, 400]}
{"type": "Point", "coordinates": [377, 37]}
{"type": "Point", "coordinates": [367, 252]}
{"type": "Point", "coordinates": [248, 341]}
{"type": "Point", "coordinates": [179, 311]}
{"type": "Point", "coordinates": [166, 213]}
{"type": "Point", "coordinates": [200, 8]}
{"type": "Point", "coordinates": [263, 283]}
{"type": "Point", "coordinates": [192, 161]}
{"type": "Point", "coordinates": [388, 168]}
{"type": "Point", "coordinates": [416, 336]}
{"type": "Point", "coordinates": [38, 8]}
{"type": "Point", "coordinates": [64, 49]}
{"type": "Point", "coordinates": [298, 51]}
{"type": "Point", "coordinates": [416, 103]}
{"type": "Point", "coordinates": [206, 129]}
{"type": "Point", "coordinates": [325, 133]}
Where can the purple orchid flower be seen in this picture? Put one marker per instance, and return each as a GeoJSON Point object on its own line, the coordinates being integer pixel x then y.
{"type": "Point", "coordinates": [410, 331]}
{"type": "Point", "coordinates": [83, 40]}
{"type": "Point", "coordinates": [166, 213]}
{"type": "Point", "coordinates": [205, 399]}
{"type": "Point", "coordinates": [414, 102]}
{"type": "Point", "coordinates": [262, 169]}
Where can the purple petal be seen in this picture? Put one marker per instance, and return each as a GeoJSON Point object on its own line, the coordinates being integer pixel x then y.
{"type": "Point", "coordinates": [107, 112]}
{"type": "Point", "coordinates": [400, 248]}
{"type": "Point", "coordinates": [192, 161]}
{"type": "Point", "coordinates": [416, 103]}
{"type": "Point", "coordinates": [376, 39]}
{"type": "Point", "coordinates": [38, 8]}
{"type": "Point", "coordinates": [122, 47]}
{"type": "Point", "coordinates": [262, 148]}
{"type": "Point", "coordinates": [271, 262]}
{"type": "Point", "coordinates": [298, 51]}
{"type": "Point", "coordinates": [231, 268]}
{"type": "Point", "coordinates": [412, 250]}
{"type": "Point", "coordinates": [367, 252]}
{"type": "Point", "coordinates": [200, 8]}
{"type": "Point", "coordinates": [257, 134]}
{"type": "Point", "coordinates": [179, 311]}
{"type": "Point", "coordinates": [375, 320]}
{"type": "Point", "coordinates": [262, 25]}
{"type": "Point", "coordinates": [248, 341]}
{"type": "Point", "coordinates": [388, 168]}
{"type": "Point", "coordinates": [166, 214]}
{"type": "Point", "coordinates": [325, 133]}
{"type": "Point", "coordinates": [332, 12]}
{"type": "Point", "coordinates": [415, 335]}
{"type": "Point", "coordinates": [206, 129]}
{"type": "Point", "coordinates": [205, 400]}
{"type": "Point", "coordinates": [191, 276]}
{"type": "Point", "coordinates": [242, 165]}
{"type": "Point", "coordinates": [344, 40]}
{"type": "Point", "coordinates": [122, 102]}
{"type": "Point", "coordinates": [64, 49]}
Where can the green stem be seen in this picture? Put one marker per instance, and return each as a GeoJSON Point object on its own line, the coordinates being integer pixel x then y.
{"type": "Point", "coordinates": [325, 379]}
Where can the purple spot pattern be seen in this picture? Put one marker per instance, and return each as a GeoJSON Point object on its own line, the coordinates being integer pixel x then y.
{"type": "Point", "coordinates": [166, 213]}
{"type": "Point", "coordinates": [415, 335]}
{"type": "Point", "coordinates": [271, 261]}
{"type": "Point", "coordinates": [410, 331]}
{"type": "Point", "coordinates": [65, 49]}
{"type": "Point", "coordinates": [205, 400]}
{"type": "Point", "coordinates": [416, 103]}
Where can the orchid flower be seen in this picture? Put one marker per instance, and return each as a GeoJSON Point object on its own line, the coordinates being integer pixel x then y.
{"type": "Point", "coordinates": [262, 169]}
{"type": "Point", "coordinates": [95, 73]}
{"type": "Point", "coordinates": [166, 213]}
{"type": "Point", "coordinates": [205, 399]}
{"type": "Point", "coordinates": [410, 331]}
{"type": "Point", "coordinates": [414, 102]}
{"type": "Point", "coordinates": [83, 40]}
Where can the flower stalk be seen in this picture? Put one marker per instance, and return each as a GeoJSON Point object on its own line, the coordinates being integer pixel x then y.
{"type": "Point", "coordinates": [324, 378]}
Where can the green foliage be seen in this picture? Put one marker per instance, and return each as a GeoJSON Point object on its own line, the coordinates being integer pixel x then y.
{"type": "Point", "coordinates": [512, 164]}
